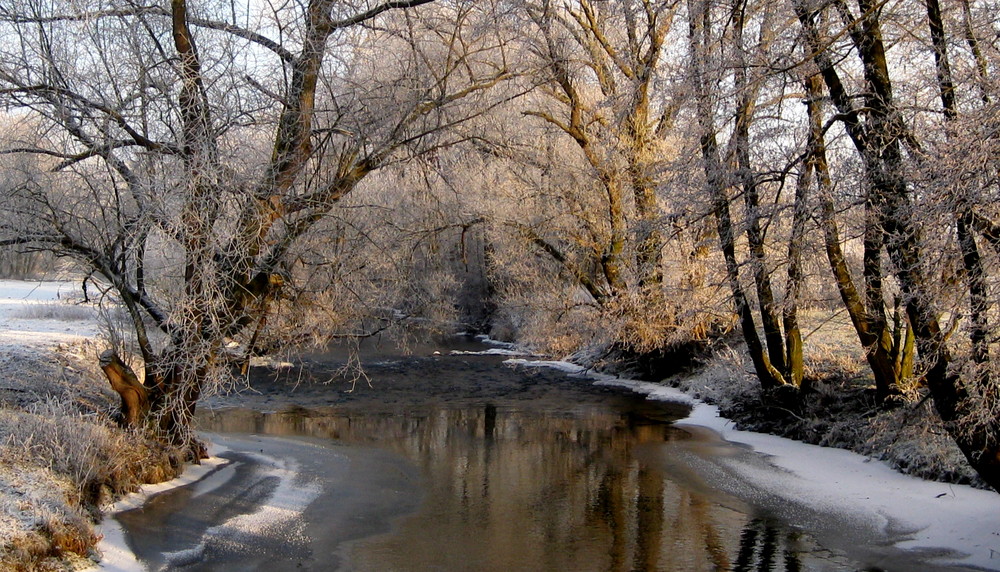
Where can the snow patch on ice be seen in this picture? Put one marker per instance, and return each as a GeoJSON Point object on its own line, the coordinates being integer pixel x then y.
{"type": "Point", "coordinates": [653, 391]}
{"type": "Point", "coordinates": [277, 517]}
{"type": "Point", "coordinates": [490, 352]}
{"type": "Point", "coordinates": [491, 342]}
{"type": "Point", "coordinates": [559, 365]}
{"type": "Point", "coordinates": [116, 556]}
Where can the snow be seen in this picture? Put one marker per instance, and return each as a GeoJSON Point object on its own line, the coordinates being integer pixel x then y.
{"type": "Point", "coordinates": [652, 391]}
{"type": "Point", "coordinates": [489, 352]}
{"type": "Point", "coordinates": [491, 342]}
{"type": "Point", "coordinates": [564, 366]}
{"type": "Point", "coordinates": [936, 515]}
{"type": "Point", "coordinates": [116, 557]}
{"type": "Point", "coordinates": [22, 301]}
{"type": "Point", "coordinates": [277, 517]}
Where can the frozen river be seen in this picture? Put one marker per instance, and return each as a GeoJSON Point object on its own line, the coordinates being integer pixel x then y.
{"type": "Point", "coordinates": [460, 462]}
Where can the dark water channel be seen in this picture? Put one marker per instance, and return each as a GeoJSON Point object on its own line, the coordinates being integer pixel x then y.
{"type": "Point", "coordinates": [463, 463]}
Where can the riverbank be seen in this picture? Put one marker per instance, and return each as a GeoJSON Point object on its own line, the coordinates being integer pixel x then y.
{"type": "Point", "coordinates": [51, 495]}
{"type": "Point", "coordinates": [838, 409]}
{"type": "Point", "coordinates": [62, 460]}
{"type": "Point", "coordinates": [856, 507]}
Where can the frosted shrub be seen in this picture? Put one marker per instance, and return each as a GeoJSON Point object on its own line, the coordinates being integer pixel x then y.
{"type": "Point", "coordinates": [93, 455]}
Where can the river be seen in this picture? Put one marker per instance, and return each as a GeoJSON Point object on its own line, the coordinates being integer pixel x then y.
{"type": "Point", "coordinates": [460, 462]}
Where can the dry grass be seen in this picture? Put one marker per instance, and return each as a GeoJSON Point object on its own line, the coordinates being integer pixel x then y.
{"type": "Point", "coordinates": [62, 460]}
{"type": "Point", "coordinates": [62, 312]}
{"type": "Point", "coordinates": [101, 461]}
{"type": "Point", "coordinates": [831, 346]}
{"type": "Point", "coordinates": [47, 530]}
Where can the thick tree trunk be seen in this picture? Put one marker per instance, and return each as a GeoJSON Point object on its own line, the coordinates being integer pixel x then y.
{"type": "Point", "coordinates": [794, 361]}
{"type": "Point", "coordinates": [166, 408]}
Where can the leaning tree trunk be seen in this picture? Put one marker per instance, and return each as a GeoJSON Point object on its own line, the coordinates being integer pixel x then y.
{"type": "Point", "coordinates": [768, 308]}
{"type": "Point", "coordinates": [878, 141]}
{"type": "Point", "coordinates": [134, 395]}
{"type": "Point", "coordinates": [166, 408]}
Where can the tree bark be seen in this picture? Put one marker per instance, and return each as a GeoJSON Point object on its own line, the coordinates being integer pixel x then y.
{"type": "Point", "coordinates": [134, 396]}
{"type": "Point", "coordinates": [975, 275]}
{"type": "Point", "coordinates": [767, 304]}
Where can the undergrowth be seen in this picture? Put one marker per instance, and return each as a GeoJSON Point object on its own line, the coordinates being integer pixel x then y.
{"type": "Point", "coordinates": [62, 460]}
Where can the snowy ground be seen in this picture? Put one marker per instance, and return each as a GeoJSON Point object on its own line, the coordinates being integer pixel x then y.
{"type": "Point", "coordinates": [39, 315]}
{"type": "Point", "coordinates": [36, 318]}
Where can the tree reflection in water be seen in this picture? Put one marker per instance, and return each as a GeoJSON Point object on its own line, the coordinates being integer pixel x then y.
{"type": "Point", "coordinates": [522, 487]}
{"type": "Point", "coordinates": [764, 545]}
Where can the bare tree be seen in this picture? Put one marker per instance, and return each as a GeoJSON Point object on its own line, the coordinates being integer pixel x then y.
{"type": "Point", "coordinates": [901, 203]}
{"type": "Point", "coordinates": [196, 150]}
{"type": "Point", "coordinates": [744, 180]}
{"type": "Point", "coordinates": [601, 68]}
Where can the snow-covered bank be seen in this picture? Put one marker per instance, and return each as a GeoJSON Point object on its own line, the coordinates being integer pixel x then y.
{"type": "Point", "coordinates": [947, 524]}
{"type": "Point", "coordinates": [55, 436]}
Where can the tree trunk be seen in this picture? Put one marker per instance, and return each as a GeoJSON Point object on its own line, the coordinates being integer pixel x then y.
{"type": "Point", "coordinates": [975, 275]}
{"type": "Point", "coordinates": [716, 182]}
{"type": "Point", "coordinates": [134, 396]}
{"type": "Point", "coordinates": [767, 305]}
{"type": "Point", "coordinates": [878, 143]}
{"type": "Point", "coordinates": [800, 214]}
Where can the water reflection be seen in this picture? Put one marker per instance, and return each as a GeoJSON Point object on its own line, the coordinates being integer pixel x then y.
{"type": "Point", "coordinates": [763, 545]}
{"type": "Point", "coordinates": [515, 487]}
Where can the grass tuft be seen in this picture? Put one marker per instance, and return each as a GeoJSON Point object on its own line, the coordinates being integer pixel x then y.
{"type": "Point", "coordinates": [54, 311]}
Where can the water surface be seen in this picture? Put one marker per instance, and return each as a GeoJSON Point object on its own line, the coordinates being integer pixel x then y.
{"type": "Point", "coordinates": [461, 463]}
